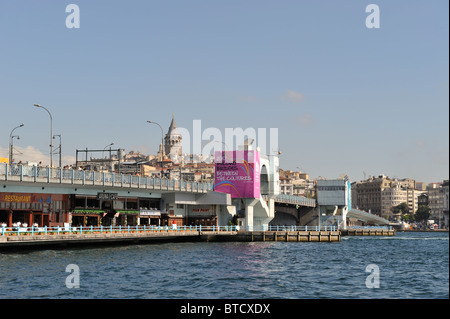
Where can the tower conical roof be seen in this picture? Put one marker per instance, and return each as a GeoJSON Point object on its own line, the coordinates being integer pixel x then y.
{"type": "Point", "coordinates": [173, 126]}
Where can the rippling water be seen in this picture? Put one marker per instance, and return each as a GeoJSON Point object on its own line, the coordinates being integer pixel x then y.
{"type": "Point", "coordinates": [411, 265]}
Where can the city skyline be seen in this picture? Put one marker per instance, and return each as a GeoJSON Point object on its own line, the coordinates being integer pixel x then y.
{"type": "Point", "coordinates": [345, 98]}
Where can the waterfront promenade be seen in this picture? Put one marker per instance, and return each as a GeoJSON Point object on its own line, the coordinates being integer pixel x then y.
{"type": "Point", "coordinates": [54, 237]}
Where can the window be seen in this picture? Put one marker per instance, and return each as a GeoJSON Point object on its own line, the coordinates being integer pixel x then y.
{"type": "Point", "coordinates": [331, 188]}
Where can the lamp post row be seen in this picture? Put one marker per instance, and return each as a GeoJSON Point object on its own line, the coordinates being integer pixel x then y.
{"type": "Point", "coordinates": [11, 137]}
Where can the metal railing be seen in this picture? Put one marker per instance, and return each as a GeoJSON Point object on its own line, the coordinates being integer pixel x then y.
{"type": "Point", "coordinates": [287, 228]}
{"type": "Point", "coordinates": [80, 230]}
{"type": "Point", "coordinates": [370, 227]}
{"type": "Point", "coordinates": [32, 173]}
{"type": "Point", "coordinates": [291, 199]}
{"type": "Point", "coordinates": [362, 215]}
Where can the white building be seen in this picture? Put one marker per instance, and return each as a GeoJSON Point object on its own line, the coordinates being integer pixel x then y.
{"type": "Point", "coordinates": [334, 200]}
{"type": "Point", "coordinates": [172, 142]}
{"type": "Point", "coordinates": [391, 197]}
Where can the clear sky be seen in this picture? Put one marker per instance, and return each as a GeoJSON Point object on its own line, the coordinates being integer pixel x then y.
{"type": "Point", "coordinates": [345, 98]}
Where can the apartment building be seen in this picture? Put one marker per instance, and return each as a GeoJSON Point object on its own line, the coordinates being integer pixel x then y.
{"type": "Point", "coordinates": [436, 202]}
{"type": "Point", "coordinates": [296, 184]}
{"type": "Point", "coordinates": [378, 194]}
{"type": "Point", "coordinates": [390, 197]}
{"type": "Point", "coordinates": [446, 201]}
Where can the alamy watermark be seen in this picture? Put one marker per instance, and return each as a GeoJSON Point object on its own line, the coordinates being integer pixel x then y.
{"type": "Point", "coordinates": [373, 279]}
{"type": "Point", "coordinates": [73, 279]}
{"type": "Point", "coordinates": [73, 19]}
{"type": "Point", "coordinates": [373, 19]}
{"type": "Point", "coordinates": [210, 140]}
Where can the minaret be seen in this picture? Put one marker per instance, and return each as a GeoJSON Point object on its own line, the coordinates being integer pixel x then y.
{"type": "Point", "coordinates": [172, 141]}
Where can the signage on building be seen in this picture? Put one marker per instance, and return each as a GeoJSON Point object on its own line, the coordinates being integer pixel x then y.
{"type": "Point", "coordinates": [238, 173]}
{"type": "Point", "coordinates": [30, 198]}
{"type": "Point", "coordinates": [107, 196]}
{"type": "Point", "coordinates": [201, 210]}
{"type": "Point", "coordinates": [16, 198]}
{"type": "Point", "coordinates": [152, 213]}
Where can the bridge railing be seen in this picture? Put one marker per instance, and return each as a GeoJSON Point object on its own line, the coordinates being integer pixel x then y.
{"type": "Point", "coordinates": [80, 230]}
{"type": "Point", "coordinates": [32, 173]}
{"type": "Point", "coordinates": [288, 228]}
{"type": "Point", "coordinates": [370, 227]}
{"type": "Point", "coordinates": [365, 216]}
{"type": "Point", "coordinates": [295, 200]}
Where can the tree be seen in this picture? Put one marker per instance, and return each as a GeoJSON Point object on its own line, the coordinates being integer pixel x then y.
{"type": "Point", "coordinates": [400, 209]}
{"type": "Point", "coordinates": [408, 218]}
{"type": "Point", "coordinates": [422, 213]}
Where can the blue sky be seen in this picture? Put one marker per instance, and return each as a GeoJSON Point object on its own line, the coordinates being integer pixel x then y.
{"type": "Point", "coordinates": [345, 98]}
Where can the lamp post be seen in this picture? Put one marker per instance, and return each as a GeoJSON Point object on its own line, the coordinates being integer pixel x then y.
{"type": "Point", "coordinates": [51, 133]}
{"type": "Point", "coordinates": [59, 148]}
{"type": "Point", "coordinates": [162, 140]}
{"type": "Point", "coordinates": [11, 143]}
{"type": "Point", "coordinates": [103, 153]}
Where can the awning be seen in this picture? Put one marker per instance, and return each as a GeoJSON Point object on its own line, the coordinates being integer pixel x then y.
{"type": "Point", "coordinates": [87, 211]}
{"type": "Point", "coordinates": [150, 213]}
{"type": "Point", "coordinates": [121, 211]}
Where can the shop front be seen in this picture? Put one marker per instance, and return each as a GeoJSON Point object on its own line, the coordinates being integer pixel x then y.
{"type": "Point", "coordinates": [32, 209]}
{"type": "Point", "coordinates": [126, 217]}
{"type": "Point", "coordinates": [85, 217]}
{"type": "Point", "coordinates": [150, 217]}
{"type": "Point", "coordinates": [4, 216]}
{"type": "Point", "coordinates": [202, 215]}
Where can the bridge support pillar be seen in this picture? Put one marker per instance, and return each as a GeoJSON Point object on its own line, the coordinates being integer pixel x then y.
{"type": "Point", "coordinates": [249, 208]}
{"type": "Point", "coordinates": [344, 217]}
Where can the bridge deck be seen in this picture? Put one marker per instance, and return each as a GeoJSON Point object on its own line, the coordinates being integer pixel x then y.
{"type": "Point", "coordinates": [294, 200]}
{"type": "Point", "coordinates": [35, 174]}
{"type": "Point", "coordinates": [367, 217]}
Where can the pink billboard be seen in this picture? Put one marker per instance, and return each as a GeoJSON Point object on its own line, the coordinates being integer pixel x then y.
{"type": "Point", "coordinates": [237, 173]}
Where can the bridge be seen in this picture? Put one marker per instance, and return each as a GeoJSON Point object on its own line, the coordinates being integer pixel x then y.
{"type": "Point", "coordinates": [54, 196]}
{"type": "Point", "coordinates": [51, 176]}
{"type": "Point", "coordinates": [367, 217]}
{"type": "Point", "coordinates": [280, 209]}
{"type": "Point", "coordinates": [293, 200]}
{"type": "Point", "coordinates": [333, 207]}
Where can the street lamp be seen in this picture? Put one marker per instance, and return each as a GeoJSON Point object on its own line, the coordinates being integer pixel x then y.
{"type": "Point", "coordinates": [11, 143]}
{"type": "Point", "coordinates": [162, 140]}
{"type": "Point", "coordinates": [103, 153]}
{"type": "Point", "coordinates": [59, 148]}
{"type": "Point", "coordinates": [51, 133]}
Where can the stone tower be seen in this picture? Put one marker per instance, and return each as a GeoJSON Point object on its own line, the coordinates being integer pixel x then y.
{"type": "Point", "coordinates": [172, 141]}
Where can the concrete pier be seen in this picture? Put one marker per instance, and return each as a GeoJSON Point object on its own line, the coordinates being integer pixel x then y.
{"type": "Point", "coordinates": [368, 232]}
{"type": "Point", "coordinates": [107, 239]}
{"type": "Point", "coordinates": [282, 236]}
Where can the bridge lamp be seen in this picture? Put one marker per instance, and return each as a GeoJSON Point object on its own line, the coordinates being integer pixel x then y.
{"type": "Point", "coordinates": [51, 133]}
